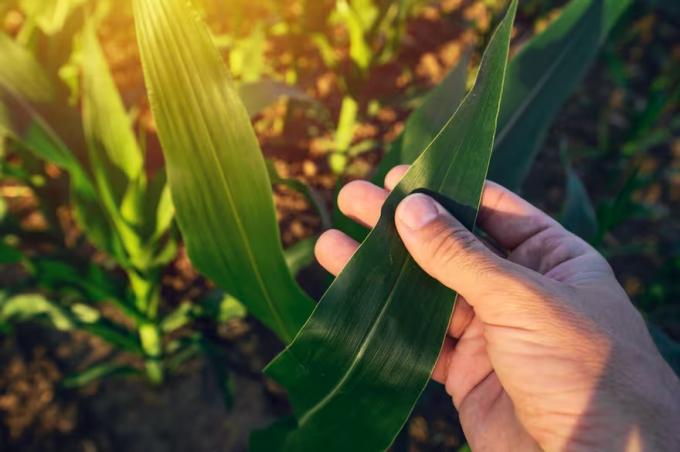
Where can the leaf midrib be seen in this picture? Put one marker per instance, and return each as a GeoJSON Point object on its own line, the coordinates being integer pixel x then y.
{"type": "Point", "coordinates": [360, 353]}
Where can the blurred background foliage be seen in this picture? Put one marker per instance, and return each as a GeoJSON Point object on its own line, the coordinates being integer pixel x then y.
{"type": "Point", "coordinates": [328, 84]}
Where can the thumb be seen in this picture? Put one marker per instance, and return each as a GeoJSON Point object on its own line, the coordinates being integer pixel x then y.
{"type": "Point", "coordinates": [450, 253]}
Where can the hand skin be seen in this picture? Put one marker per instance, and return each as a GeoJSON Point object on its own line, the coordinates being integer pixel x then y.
{"type": "Point", "coordinates": [544, 349]}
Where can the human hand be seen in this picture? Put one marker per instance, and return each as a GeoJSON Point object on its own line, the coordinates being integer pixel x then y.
{"type": "Point", "coordinates": [544, 349]}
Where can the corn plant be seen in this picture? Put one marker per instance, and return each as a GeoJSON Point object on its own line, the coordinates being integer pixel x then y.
{"type": "Point", "coordinates": [120, 210]}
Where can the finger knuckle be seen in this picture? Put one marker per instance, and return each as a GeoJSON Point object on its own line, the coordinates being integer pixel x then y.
{"type": "Point", "coordinates": [453, 245]}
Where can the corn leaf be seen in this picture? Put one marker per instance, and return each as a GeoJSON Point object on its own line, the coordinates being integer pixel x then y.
{"type": "Point", "coordinates": [115, 157]}
{"type": "Point", "coordinates": [540, 79]}
{"type": "Point", "coordinates": [24, 307]}
{"type": "Point", "coordinates": [355, 370]}
{"type": "Point", "coordinates": [25, 81]}
{"type": "Point", "coordinates": [106, 121]}
{"type": "Point", "coordinates": [97, 372]}
{"type": "Point", "coordinates": [158, 199]}
{"type": "Point", "coordinates": [21, 73]}
{"type": "Point", "coordinates": [215, 168]}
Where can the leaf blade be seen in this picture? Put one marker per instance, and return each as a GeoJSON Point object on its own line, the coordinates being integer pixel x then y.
{"type": "Point", "coordinates": [540, 79]}
{"type": "Point", "coordinates": [361, 357]}
{"type": "Point", "coordinates": [214, 160]}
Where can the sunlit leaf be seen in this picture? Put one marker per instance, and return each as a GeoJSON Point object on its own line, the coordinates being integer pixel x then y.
{"type": "Point", "coordinates": [102, 102]}
{"type": "Point", "coordinates": [217, 173]}
{"type": "Point", "coordinates": [27, 307]}
{"type": "Point", "coordinates": [20, 308]}
{"type": "Point", "coordinates": [115, 157]}
{"type": "Point", "coordinates": [355, 370]}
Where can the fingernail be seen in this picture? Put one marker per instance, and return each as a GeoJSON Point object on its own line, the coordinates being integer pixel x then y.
{"type": "Point", "coordinates": [417, 210]}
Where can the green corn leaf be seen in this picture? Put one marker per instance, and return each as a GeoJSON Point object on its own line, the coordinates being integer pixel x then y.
{"type": "Point", "coordinates": [25, 80]}
{"type": "Point", "coordinates": [105, 118]}
{"type": "Point", "coordinates": [21, 73]}
{"type": "Point", "coordinates": [358, 17]}
{"type": "Point", "coordinates": [97, 372]}
{"type": "Point", "coordinates": [355, 370]}
{"type": "Point", "coordinates": [114, 334]}
{"type": "Point", "coordinates": [115, 157]}
{"type": "Point", "coordinates": [540, 79]}
{"type": "Point", "coordinates": [24, 307]}
{"type": "Point", "coordinates": [157, 199]}
{"type": "Point", "coordinates": [23, 77]}
{"type": "Point", "coordinates": [90, 281]}
{"type": "Point", "coordinates": [217, 174]}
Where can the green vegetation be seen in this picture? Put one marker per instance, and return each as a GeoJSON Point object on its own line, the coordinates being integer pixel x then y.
{"type": "Point", "coordinates": [114, 216]}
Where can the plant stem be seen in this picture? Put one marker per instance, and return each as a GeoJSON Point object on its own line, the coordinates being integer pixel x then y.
{"type": "Point", "coordinates": [344, 134]}
{"type": "Point", "coordinates": [147, 298]}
